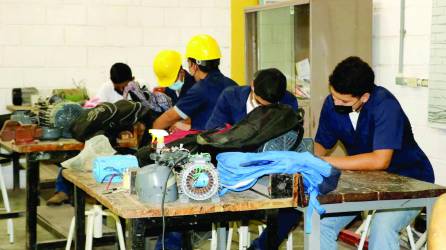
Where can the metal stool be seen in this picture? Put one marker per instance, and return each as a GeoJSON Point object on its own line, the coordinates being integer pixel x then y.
{"type": "Point", "coordinates": [10, 225]}
{"type": "Point", "coordinates": [94, 228]}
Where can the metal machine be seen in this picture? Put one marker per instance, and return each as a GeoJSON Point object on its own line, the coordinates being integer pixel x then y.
{"type": "Point", "coordinates": [199, 179]}
{"type": "Point", "coordinates": [189, 177]}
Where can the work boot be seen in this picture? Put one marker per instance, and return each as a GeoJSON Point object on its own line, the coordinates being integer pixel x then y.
{"type": "Point", "coordinates": [58, 199]}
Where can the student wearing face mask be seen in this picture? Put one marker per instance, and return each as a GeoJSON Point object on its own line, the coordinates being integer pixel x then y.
{"type": "Point", "coordinates": [120, 76]}
{"type": "Point", "coordinates": [170, 74]}
{"type": "Point", "coordinates": [203, 56]}
{"type": "Point", "coordinates": [371, 124]}
{"type": "Point", "coordinates": [376, 133]}
{"type": "Point", "coordinates": [268, 86]}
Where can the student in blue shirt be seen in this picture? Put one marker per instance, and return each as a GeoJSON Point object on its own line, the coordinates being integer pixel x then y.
{"type": "Point", "coordinates": [377, 135]}
{"type": "Point", "coordinates": [369, 121]}
{"type": "Point", "coordinates": [269, 86]}
{"type": "Point", "coordinates": [203, 56]}
{"type": "Point", "coordinates": [170, 74]}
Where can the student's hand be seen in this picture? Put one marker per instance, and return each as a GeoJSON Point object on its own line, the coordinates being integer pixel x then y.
{"type": "Point", "coordinates": [179, 126]}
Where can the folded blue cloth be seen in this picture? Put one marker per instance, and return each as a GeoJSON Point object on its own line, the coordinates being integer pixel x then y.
{"type": "Point", "coordinates": [107, 167]}
{"type": "Point", "coordinates": [240, 171]}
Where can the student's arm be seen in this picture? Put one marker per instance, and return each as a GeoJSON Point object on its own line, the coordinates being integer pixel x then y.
{"type": "Point", "coordinates": [376, 160]}
{"type": "Point", "coordinates": [319, 150]}
{"type": "Point", "coordinates": [387, 136]}
{"type": "Point", "coordinates": [167, 119]}
{"type": "Point", "coordinates": [326, 136]}
{"type": "Point", "coordinates": [437, 234]}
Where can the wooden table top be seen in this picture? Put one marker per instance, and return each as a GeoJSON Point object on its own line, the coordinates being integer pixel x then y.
{"type": "Point", "coordinates": [128, 206]}
{"type": "Point", "coordinates": [353, 186]}
{"type": "Point", "coordinates": [14, 108]}
{"type": "Point", "coordinates": [59, 145]}
{"type": "Point", "coordinates": [43, 146]}
{"type": "Point", "coordinates": [379, 185]}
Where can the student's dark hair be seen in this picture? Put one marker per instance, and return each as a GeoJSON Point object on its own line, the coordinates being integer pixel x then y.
{"type": "Point", "coordinates": [120, 72]}
{"type": "Point", "coordinates": [352, 76]}
{"type": "Point", "coordinates": [207, 66]}
{"type": "Point", "coordinates": [270, 84]}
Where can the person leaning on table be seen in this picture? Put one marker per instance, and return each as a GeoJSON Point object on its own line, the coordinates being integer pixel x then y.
{"type": "Point", "coordinates": [376, 133]}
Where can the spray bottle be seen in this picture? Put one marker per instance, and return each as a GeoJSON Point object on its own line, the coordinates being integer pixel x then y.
{"type": "Point", "coordinates": [151, 179]}
{"type": "Point", "coordinates": [158, 136]}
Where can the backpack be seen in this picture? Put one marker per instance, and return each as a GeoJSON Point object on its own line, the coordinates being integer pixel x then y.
{"type": "Point", "coordinates": [261, 125]}
{"type": "Point", "coordinates": [109, 119]}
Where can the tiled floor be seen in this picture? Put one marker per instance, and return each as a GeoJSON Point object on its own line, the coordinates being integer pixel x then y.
{"type": "Point", "coordinates": [18, 203]}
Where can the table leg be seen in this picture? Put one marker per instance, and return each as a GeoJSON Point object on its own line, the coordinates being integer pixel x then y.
{"type": "Point", "coordinates": [272, 225]}
{"type": "Point", "coordinates": [32, 196]}
{"type": "Point", "coordinates": [16, 171]}
{"type": "Point", "coordinates": [429, 207]}
{"type": "Point", "coordinates": [221, 237]}
{"type": "Point", "coordinates": [79, 204]}
{"type": "Point", "coordinates": [136, 230]}
{"type": "Point", "coordinates": [312, 241]}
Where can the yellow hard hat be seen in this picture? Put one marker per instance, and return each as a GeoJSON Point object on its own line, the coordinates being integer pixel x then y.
{"type": "Point", "coordinates": [166, 66]}
{"type": "Point", "coordinates": [203, 48]}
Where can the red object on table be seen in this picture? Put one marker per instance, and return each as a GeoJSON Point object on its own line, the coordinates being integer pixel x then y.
{"type": "Point", "coordinates": [351, 238]}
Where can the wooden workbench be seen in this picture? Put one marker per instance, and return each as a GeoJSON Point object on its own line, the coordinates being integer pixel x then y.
{"type": "Point", "coordinates": [357, 186]}
{"type": "Point", "coordinates": [371, 190]}
{"type": "Point", "coordinates": [127, 206]}
{"type": "Point", "coordinates": [36, 152]}
{"type": "Point", "coordinates": [14, 108]}
{"type": "Point", "coordinates": [231, 206]}
{"type": "Point", "coordinates": [43, 146]}
{"type": "Point", "coordinates": [356, 191]}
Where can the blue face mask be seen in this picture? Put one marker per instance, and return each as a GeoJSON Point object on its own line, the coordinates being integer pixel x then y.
{"type": "Point", "coordinates": [176, 85]}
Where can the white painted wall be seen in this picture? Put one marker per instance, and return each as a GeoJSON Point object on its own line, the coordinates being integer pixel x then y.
{"type": "Point", "coordinates": [47, 43]}
{"type": "Point", "coordinates": [416, 63]}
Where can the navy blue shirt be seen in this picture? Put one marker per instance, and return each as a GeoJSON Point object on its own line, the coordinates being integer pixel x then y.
{"type": "Point", "coordinates": [200, 100]}
{"type": "Point", "coordinates": [231, 106]}
{"type": "Point", "coordinates": [382, 124]}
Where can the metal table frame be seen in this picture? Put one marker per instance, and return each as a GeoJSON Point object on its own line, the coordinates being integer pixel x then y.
{"type": "Point", "coordinates": [312, 240]}
{"type": "Point", "coordinates": [137, 227]}
{"type": "Point", "coordinates": [32, 200]}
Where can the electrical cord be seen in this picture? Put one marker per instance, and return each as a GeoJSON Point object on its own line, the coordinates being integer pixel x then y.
{"type": "Point", "coordinates": [164, 196]}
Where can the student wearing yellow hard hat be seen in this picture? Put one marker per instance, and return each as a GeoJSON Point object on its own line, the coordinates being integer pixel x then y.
{"type": "Point", "coordinates": [171, 75]}
{"type": "Point", "coordinates": [203, 57]}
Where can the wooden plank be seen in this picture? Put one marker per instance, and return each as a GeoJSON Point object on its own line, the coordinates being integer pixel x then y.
{"type": "Point", "coordinates": [44, 146]}
{"type": "Point", "coordinates": [59, 145]}
{"type": "Point", "coordinates": [14, 108]}
{"type": "Point", "coordinates": [352, 186]}
{"type": "Point", "coordinates": [379, 185]}
{"type": "Point", "coordinates": [58, 219]}
{"type": "Point", "coordinates": [48, 172]}
{"type": "Point", "coordinates": [128, 206]}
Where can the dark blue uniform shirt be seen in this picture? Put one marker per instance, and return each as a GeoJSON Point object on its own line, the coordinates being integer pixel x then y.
{"type": "Point", "coordinates": [382, 124]}
{"type": "Point", "coordinates": [199, 101]}
{"type": "Point", "coordinates": [231, 106]}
